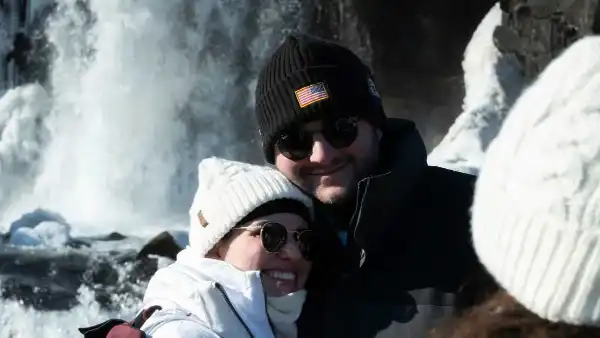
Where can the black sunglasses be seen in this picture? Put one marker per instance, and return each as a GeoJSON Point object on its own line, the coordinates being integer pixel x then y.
{"type": "Point", "coordinates": [297, 144]}
{"type": "Point", "coordinates": [274, 236]}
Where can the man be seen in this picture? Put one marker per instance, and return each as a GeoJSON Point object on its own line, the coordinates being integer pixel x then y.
{"type": "Point", "coordinates": [402, 248]}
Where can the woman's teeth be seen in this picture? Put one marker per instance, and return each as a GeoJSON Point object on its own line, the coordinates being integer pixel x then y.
{"type": "Point", "coordinates": [286, 276]}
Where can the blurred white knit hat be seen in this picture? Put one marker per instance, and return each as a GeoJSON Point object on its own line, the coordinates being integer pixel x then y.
{"type": "Point", "coordinates": [536, 212]}
{"type": "Point", "coordinates": [230, 190]}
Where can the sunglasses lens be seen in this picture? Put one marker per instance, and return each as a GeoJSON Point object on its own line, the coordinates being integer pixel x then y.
{"type": "Point", "coordinates": [295, 145]}
{"type": "Point", "coordinates": [341, 133]}
{"type": "Point", "coordinates": [306, 243]}
{"type": "Point", "coordinates": [273, 236]}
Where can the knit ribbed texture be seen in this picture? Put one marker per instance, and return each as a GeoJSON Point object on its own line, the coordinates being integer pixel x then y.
{"type": "Point", "coordinates": [536, 213]}
{"type": "Point", "coordinates": [302, 61]}
{"type": "Point", "coordinates": [228, 191]}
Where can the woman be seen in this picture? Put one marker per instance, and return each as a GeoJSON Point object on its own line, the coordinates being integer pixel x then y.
{"type": "Point", "coordinates": [248, 259]}
{"type": "Point", "coordinates": [536, 211]}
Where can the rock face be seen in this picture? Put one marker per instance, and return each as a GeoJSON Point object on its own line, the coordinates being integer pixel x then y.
{"type": "Point", "coordinates": [538, 31]}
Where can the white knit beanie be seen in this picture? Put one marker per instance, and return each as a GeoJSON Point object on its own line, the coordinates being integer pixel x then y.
{"type": "Point", "coordinates": [536, 212]}
{"type": "Point", "coordinates": [227, 192]}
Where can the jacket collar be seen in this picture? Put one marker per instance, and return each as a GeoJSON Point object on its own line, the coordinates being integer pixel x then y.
{"type": "Point", "coordinates": [195, 284]}
{"type": "Point", "coordinates": [403, 160]}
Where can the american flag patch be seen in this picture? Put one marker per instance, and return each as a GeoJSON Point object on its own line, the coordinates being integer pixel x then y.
{"type": "Point", "coordinates": [311, 94]}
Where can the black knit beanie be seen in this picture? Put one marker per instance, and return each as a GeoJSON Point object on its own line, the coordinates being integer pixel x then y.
{"type": "Point", "coordinates": [308, 79]}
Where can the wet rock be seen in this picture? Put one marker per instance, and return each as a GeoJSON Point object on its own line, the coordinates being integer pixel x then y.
{"type": "Point", "coordinates": [164, 245]}
{"type": "Point", "coordinates": [50, 279]}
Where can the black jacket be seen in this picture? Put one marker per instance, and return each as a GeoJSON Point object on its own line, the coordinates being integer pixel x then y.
{"type": "Point", "coordinates": [408, 250]}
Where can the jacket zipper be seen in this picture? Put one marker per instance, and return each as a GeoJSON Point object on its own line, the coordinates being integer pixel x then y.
{"type": "Point", "coordinates": [222, 290]}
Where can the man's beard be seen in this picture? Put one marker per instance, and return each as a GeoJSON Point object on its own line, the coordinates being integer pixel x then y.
{"type": "Point", "coordinates": [343, 198]}
{"type": "Point", "coordinates": [348, 197]}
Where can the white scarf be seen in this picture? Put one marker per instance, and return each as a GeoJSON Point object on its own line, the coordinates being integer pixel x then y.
{"type": "Point", "coordinates": [284, 311]}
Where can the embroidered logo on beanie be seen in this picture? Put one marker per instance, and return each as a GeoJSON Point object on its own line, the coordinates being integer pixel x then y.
{"type": "Point", "coordinates": [202, 220]}
{"type": "Point", "coordinates": [311, 94]}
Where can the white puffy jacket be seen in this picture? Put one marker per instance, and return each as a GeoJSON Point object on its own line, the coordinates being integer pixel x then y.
{"type": "Point", "coordinates": [206, 298]}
